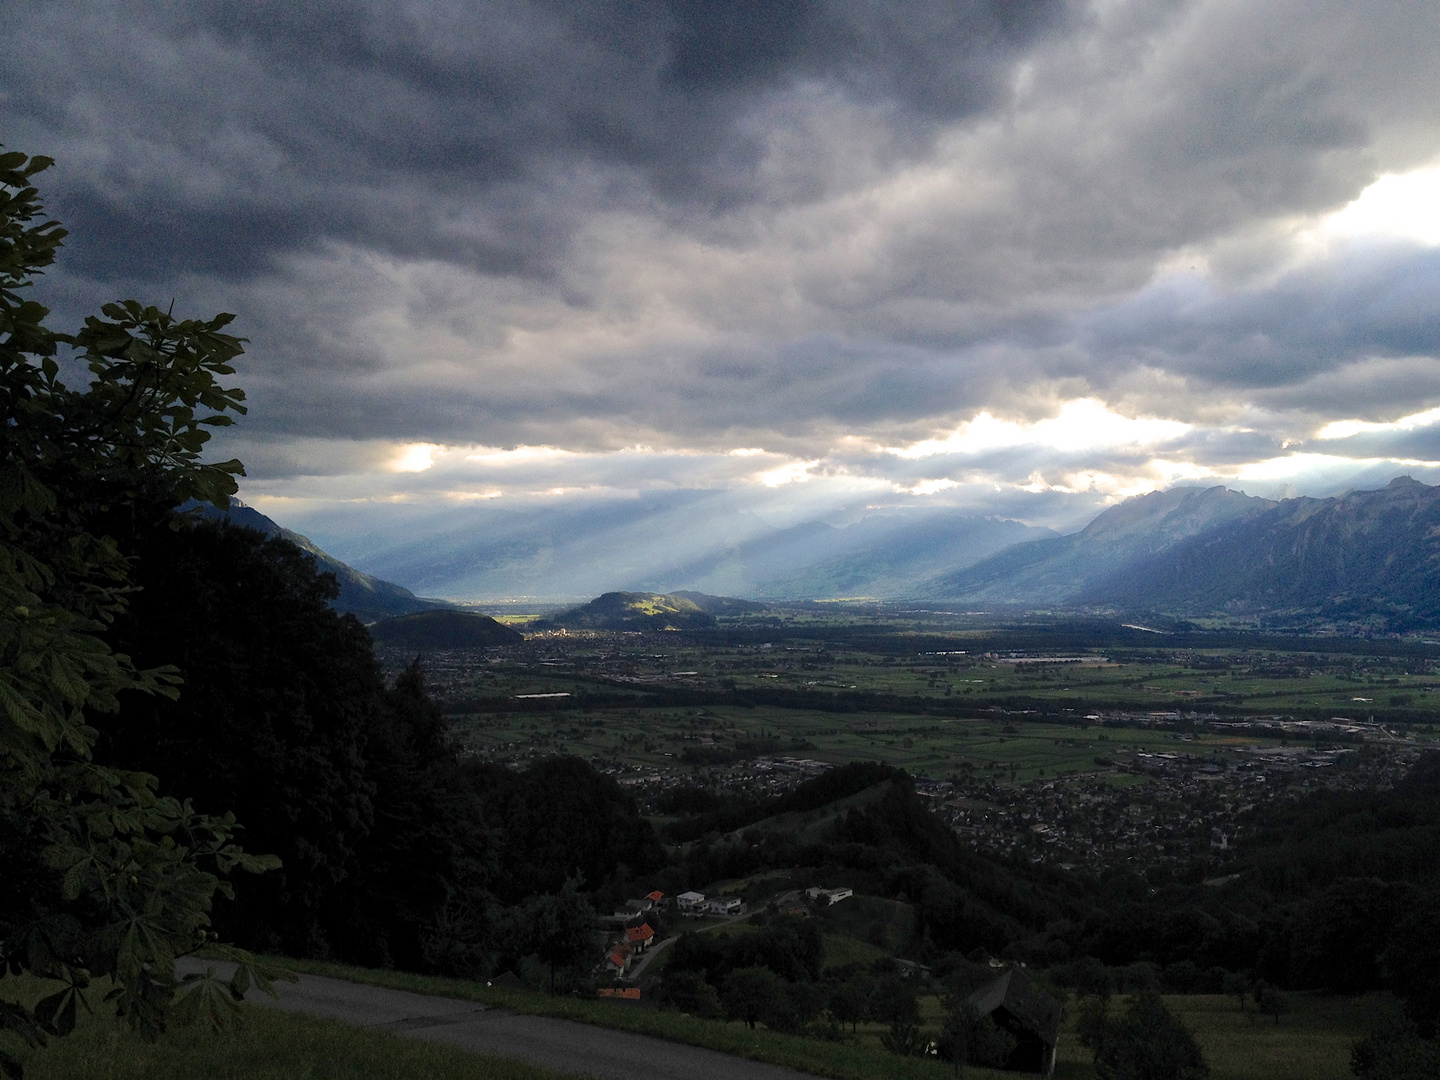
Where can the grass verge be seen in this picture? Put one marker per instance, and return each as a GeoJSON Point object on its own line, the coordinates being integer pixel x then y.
{"type": "Point", "coordinates": [268, 1045]}
{"type": "Point", "coordinates": [842, 1061]}
{"type": "Point", "coordinates": [1311, 1042]}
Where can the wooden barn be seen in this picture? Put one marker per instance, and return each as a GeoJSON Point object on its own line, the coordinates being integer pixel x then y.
{"type": "Point", "coordinates": [1028, 1013]}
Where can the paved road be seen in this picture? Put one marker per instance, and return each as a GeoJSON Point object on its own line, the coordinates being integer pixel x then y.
{"type": "Point", "coordinates": [555, 1044]}
{"type": "Point", "coordinates": [647, 956]}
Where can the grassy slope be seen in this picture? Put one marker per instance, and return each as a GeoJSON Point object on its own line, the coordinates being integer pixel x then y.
{"type": "Point", "coordinates": [841, 950]}
{"type": "Point", "coordinates": [268, 1045]}
{"type": "Point", "coordinates": [857, 917]}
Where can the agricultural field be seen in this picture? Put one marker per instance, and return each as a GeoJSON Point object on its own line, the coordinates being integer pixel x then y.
{"type": "Point", "coordinates": [1066, 744]}
{"type": "Point", "coordinates": [699, 740]}
{"type": "Point", "coordinates": [958, 669]}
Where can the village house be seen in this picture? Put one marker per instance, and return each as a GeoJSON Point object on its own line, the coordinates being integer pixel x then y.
{"type": "Point", "coordinates": [690, 902]}
{"type": "Point", "coordinates": [726, 905]}
{"type": "Point", "coordinates": [617, 960]}
{"type": "Point", "coordinates": [640, 937]}
{"type": "Point", "coordinates": [830, 896]}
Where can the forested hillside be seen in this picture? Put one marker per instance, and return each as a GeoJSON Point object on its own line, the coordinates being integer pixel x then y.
{"type": "Point", "coordinates": [635, 611]}
{"type": "Point", "coordinates": [386, 836]}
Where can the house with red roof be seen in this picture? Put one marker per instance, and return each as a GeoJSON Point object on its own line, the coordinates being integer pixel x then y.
{"type": "Point", "coordinates": [618, 958]}
{"type": "Point", "coordinates": [639, 937]}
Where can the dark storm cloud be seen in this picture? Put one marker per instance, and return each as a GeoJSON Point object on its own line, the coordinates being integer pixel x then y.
{"type": "Point", "coordinates": [1375, 388]}
{"type": "Point", "coordinates": [1378, 301]}
{"type": "Point", "coordinates": [812, 228]}
{"type": "Point", "coordinates": [211, 137]}
{"type": "Point", "coordinates": [1420, 444]}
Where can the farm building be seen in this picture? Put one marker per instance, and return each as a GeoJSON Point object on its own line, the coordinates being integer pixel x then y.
{"type": "Point", "coordinates": [1032, 1016]}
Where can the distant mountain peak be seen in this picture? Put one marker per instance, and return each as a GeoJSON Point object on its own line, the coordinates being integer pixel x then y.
{"type": "Point", "coordinates": [1179, 509]}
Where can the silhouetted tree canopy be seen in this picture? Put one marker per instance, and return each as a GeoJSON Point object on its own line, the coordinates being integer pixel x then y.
{"type": "Point", "coordinates": [102, 877]}
{"type": "Point", "coordinates": [560, 817]}
{"type": "Point", "coordinates": [1146, 1043]}
{"type": "Point", "coordinates": [287, 719]}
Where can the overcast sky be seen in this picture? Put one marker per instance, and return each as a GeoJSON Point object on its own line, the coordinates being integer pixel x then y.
{"type": "Point", "coordinates": [1024, 257]}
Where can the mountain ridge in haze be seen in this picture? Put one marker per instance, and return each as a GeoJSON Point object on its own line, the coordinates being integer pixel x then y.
{"type": "Point", "coordinates": [1364, 555]}
{"type": "Point", "coordinates": [887, 563]}
{"type": "Point", "coordinates": [1062, 569]}
{"type": "Point", "coordinates": [363, 595]}
{"type": "Point", "coordinates": [1185, 551]}
{"type": "Point", "coordinates": [683, 542]}
{"type": "Point", "coordinates": [1363, 560]}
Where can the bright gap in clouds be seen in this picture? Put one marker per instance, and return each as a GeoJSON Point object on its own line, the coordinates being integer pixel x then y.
{"type": "Point", "coordinates": [794, 472]}
{"type": "Point", "coordinates": [417, 457]}
{"type": "Point", "coordinates": [519, 456]}
{"type": "Point", "coordinates": [1298, 468]}
{"type": "Point", "coordinates": [927, 487]}
{"type": "Point", "coordinates": [1084, 424]}
{"type": "Point", "coordinates": [1344, 429]}
{"type": "Point", "coordinates": [1404, 206]}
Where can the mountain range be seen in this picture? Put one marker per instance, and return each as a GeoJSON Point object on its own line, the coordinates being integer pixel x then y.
{"type": "Point", "coordinates": [878, 557]}
{"type": "Point", "coordinates": [1366, 558]}
{"type": "Point", "coordinates": [1100, 556]}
